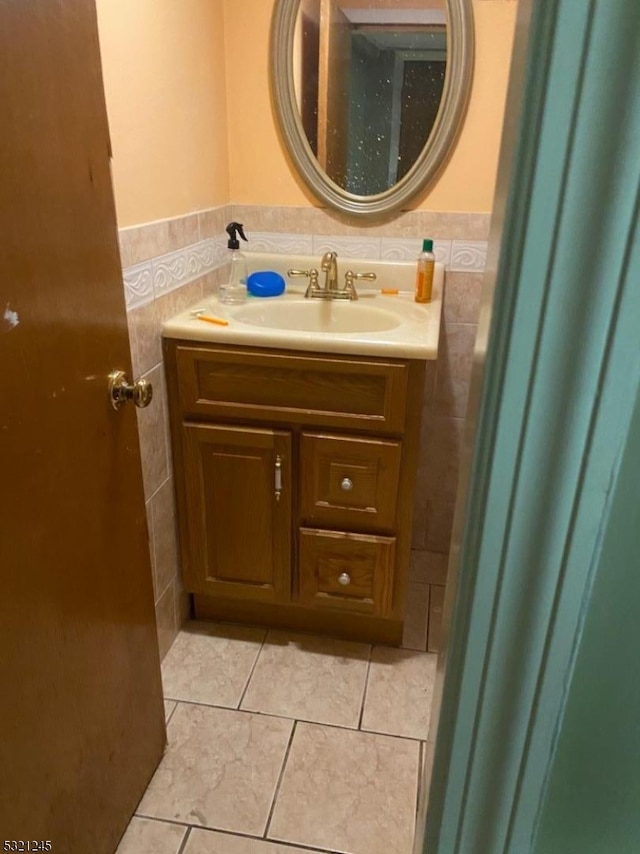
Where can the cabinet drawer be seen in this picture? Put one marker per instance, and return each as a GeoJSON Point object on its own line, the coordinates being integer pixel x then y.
{"type": "Point", "coordinates": [348, 483]}
{"type": "Point", "coordinates": [342, 392]}
{"type": "Point", "coordinates": [346, 572]}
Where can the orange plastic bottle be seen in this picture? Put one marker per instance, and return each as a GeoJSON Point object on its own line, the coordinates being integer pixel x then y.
{"type": "Point", "coordinates": [424, 275]}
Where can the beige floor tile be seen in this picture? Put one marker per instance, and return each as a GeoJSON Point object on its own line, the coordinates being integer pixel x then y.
{"type": "Point", "coordinates": [210, 842]}
{"type": "Point", "coordinates": [220, 769]}
{"type": "Point", "coordinates": [309, 678]}
{"type": "Point", "coordinates": [144, 836]}
{"type": "Point", "coordinates": [169, 706]}
{"type": "Point", "coordinates": [348, 791]}
{"type": "Point", "coordinates": [211, 663]}
{"type": "Point", "coordinates": [399, 692]}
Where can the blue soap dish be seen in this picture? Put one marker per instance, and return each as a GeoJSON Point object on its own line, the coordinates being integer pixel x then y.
{"type": "Point", "coordinates": [265, 283]}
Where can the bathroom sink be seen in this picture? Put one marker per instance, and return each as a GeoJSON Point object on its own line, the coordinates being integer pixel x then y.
{"type": "Point", "coordinates": [385, 325]}
{"type": "Point", "coordinates": [318, 316]}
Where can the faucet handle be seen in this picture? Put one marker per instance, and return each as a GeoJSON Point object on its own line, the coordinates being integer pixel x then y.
{"type": "Point", "coordinates": [350, 277]}
{"type": "Point", "coordinates": [303, 273]}
{"type": "Point", "coordinates": [312, 275]}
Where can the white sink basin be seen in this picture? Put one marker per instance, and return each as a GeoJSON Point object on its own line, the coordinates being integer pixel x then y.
{"type": "Point", "coordinates": [318, 316]}
{"type": "Point", "coordinates": [382, 325]}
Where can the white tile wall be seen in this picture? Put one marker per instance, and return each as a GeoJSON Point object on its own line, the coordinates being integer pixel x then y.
{"type": "Point", "coordinates": [347, 247]}
{"type": "Point", "coordinates": [403, 249]}
{"type": "Point", "coordinates": [160, 275]}
{"type": "Point", "coordinates": [289, 244]}
{"type": "Point", "coordinates": [468, 256]}
{"type": "Point", "coordinates": [138, 285]}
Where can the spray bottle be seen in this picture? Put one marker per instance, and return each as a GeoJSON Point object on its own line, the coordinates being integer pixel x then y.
{"type": "Point", "coordinates": [235, 291]}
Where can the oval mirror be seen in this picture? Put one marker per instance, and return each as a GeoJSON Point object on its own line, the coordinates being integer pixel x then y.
{"type": "Point", "coordinates": [370, 94]}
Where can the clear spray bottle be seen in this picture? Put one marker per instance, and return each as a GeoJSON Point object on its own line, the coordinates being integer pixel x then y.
{"type": "Point", "coordinates": [235, 291]}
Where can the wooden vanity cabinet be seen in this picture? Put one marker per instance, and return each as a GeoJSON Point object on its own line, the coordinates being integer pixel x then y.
{"type": "Point", "coordinates": [294, 479]}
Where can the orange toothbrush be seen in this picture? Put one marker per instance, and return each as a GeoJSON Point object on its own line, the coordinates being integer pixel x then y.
{"type": "Point", "coordinates": [217, 320]}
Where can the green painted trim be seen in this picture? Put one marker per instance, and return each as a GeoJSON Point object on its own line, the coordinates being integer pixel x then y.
{"type": "Point", "coordinates": [562, 372]}
{"type": "Point", "coordinates": [593, 792]}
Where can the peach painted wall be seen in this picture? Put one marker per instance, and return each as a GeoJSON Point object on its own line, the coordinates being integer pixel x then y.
{"type": "Point", "coordinates": [260, 172]}
{"type": "Point", "coordinates": [164, 74]}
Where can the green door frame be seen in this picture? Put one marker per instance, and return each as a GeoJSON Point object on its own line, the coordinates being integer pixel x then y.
{"type": "Point", "coordinates": [562, 376]}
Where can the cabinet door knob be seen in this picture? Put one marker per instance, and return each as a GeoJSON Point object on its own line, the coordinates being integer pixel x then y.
{"type": "Point", "coordinates": [346, 484]}
{"type": "Point", "coordinates": [344, 579]}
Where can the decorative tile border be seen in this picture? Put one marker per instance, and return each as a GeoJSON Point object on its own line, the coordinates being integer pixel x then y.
{"type": "Point", "coordinates": [179, 268]}
{"type": "Point", "coordinates": [146, 281]}
{"type": "Point", "coordinates": [138, 285]}
{"type": "Point", "coordinates": [348, 247]}
{"type": "Point", "coordinates": [440, 225]}
{"type": "Point", "coordinates": [402, 249]}
{"type": "Point", "coordinates": [158, 276]}
{"type": "Point", "coordinates": [271, 241]}
{"type": "Point", "coordinates": [468, 256]}
{"type": "Point", "coordinates": [169, 272]}
{"type": "Point", "coordinates": [457, 255]}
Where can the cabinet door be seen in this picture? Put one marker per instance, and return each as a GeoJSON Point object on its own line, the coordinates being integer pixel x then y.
{"type": "Point", "coordinates": [238, 495]}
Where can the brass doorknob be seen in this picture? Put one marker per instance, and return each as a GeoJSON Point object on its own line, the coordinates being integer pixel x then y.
{"type": "Point", "coordinates": [121, 391]}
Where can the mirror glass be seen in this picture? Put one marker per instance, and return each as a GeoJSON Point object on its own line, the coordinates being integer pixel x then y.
{"type": "Point", "coordinates": [369, 77]}
{"type": "Point", "coordinates": [370, 94]}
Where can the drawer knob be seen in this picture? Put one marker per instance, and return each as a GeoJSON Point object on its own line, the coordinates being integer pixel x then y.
{"type": "Point", "coordinates": [344, 579]}
{"type": "Point", "coordinates": [346, 484]}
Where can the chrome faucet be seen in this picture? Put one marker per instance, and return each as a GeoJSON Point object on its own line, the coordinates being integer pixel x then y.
{"type": "Point", "coordinates": [330, 289]}
{"type": "Point", "coordinates": [329, 266]}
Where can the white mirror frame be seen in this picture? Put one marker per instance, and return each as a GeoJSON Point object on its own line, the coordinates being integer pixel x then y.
{"type": "Point", "coordinates": [455, 98]}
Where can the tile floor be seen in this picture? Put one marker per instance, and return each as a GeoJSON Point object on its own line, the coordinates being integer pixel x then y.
{"type": "Point", "coordinates": [286, 744]}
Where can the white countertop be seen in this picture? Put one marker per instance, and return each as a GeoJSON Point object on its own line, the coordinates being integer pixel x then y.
{"type": "Point", "coordinates": [414, 337]}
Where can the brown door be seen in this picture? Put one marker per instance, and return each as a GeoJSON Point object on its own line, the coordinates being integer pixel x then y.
{"type": "Point", "coordinates": [238, 491]}
{"type": "Point", "coordinates": [81, 716]}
